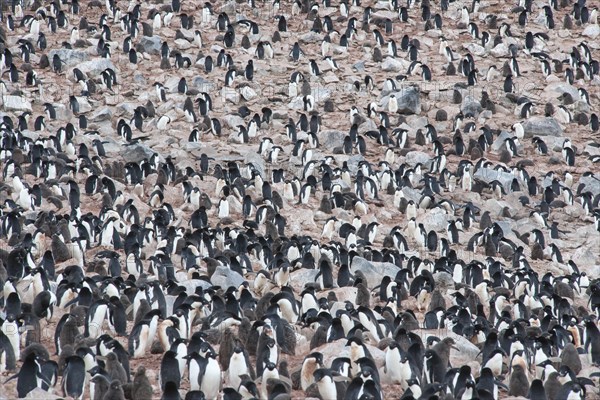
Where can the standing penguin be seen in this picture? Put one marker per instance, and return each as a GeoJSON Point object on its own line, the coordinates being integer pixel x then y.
{"type": "Point", "coordinates": [169, 370]}
{"type": "Point", "coordinates": [73, 383]}
{"type": "Point", "coordinates": [101, 386]}
{"type": "Point", "coordinates": [209, 375]}
{"type": "Point", "coordinates": [141, 389]}
{"type": "Point", "coordinates": [115, 391]}
{"type": "Point", "coordinates": [113, 367]}
{"type": "Point", "coordinates": [518, 384]}
{"type": "Point", "coordinates": [10, 330]}
{"type": "Point", "coordinates": [29, 376]}
{"type": "Point", "coordinates": [239, 364]}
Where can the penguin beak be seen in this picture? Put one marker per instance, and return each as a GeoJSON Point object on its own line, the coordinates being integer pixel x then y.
{"type": "Point", "coordinates": [455, 348]}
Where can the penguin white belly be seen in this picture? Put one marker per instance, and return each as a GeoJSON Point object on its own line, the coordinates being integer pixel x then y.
{"type": "Point", "coordinates": [95, 325]}
{"type": "Point", "coordinates": [194, 371]}
{"type": "Point", "coordinates": [392, 364]}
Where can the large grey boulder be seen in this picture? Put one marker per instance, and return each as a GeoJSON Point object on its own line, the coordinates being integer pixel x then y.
{"type": "Point", "coordinates": [592, 184]}
{"type": "Point", "coordinates": [332, 139]}
{"type": "Point", "coordinates": [542, 126]}
{"type": "Point", "coordinates": [68, 56]}
{"type": "Point", "coordinates": [373, 271]}
{"type": "Point", "coordinates": [466, 349]}
{"type": "Point", "coordinates": [232, 121]}
{"type": "Point", "coordinates": [203, 84]}
{"type": "Point", "coordinates": [470, 106]}
{"type": "Point", "coordinates": [302, 276]}
{"type": "Point", "coordinates": [95, 67]}
{"type": "Point", "coordinates": [391, 65]}
{"type": "Point", "coordinates": [415, 157]}
{"type": "Point", "coordinates": [150, 45]}
{"type": "Point", "coordinates": [137, 152]}
{"type": "Point", "coordinates": [225, 277]}
{"type": "Point", "coordinates": [15, 103]}
{"type": "Point", "coordinates": [592, 31]}
{"type": "Point", "coordinates": [104, 114]}
{"type": "Point", "coordinates": [435, 219]}
{"type": "Point", "coordinates": [499, 142]}
{"type": "Point", "coordinates": [338, 348]}
{"type": "Point", "coordinates": [488, 175]}
{"type": "Point", "coordinates": [353, 162]}
{"type": "Point", "coordinates": [257, 161]}
{"type": "Point", "coordinates": [562, 87]}
{"type": "Point", "coordinates": [409, 101]}
{"type": "Point", "coordinates": [311, 37]}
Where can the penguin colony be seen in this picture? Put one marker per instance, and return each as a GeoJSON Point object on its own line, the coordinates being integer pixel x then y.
{"type": "Point", "coordinates": [380, 240]}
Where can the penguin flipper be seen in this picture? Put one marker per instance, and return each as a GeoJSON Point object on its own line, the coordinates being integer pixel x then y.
{"type": "Point", "coordinates": [11, 378]}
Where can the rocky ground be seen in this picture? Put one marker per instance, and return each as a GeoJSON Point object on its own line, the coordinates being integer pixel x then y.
{"type": "Point", "coordinates": [439, 102]}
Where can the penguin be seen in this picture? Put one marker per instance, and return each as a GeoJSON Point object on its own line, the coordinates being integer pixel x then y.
{"type": "Point", "coordinates": [518, 383]}
{"type": "Point", "coordinates": [74, 377]}
{"type": "Point", "coordinates": [207, 375]}
{"type": "Point", "coordinates": [239, 364]}
{"type": "Point", "coordinates": [141, 387]}
{"type": "Point", "coordinates": [169, 371]}
{"type": "Point", "coordinates": [311, 363]}
{"type": "Point", "coordinates": [115, 391]}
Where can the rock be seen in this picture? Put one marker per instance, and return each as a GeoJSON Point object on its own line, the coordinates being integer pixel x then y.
{"type": "Point", "coordinates": [542, 126]}
{"type": "Point", "coordinates": [591, 31]}
{"type": "Point", "coordinates": [332, 139]}
{"type": "Point", "coordinates": [296, 103]}
{"type": "Point", "coordinates": [494, 206]}
{"type": "Point", "coordinates": [562, 87]}
{"type": "Point", "coordinates": [592, 184]}
{"type": "Point", "coordinates": [443, 281]}
{"type": "Point", "coordinates": [466, 349]}
{"type": "Point", "coordinates": [499, 142]}
{"type": "Point", "coordinates": [414, 157]}
{"type": "Point", "coordinates": [470, 106]}
{"type": "Point", "coordinates": [257, 161]}
{"type": "Point", "coordinates": [367, 125]}
{"type": "Point", "coordinates": [592, 149]}
{"type": "Point", "coordinates": [311, 37]}
{"type": "Point", "coordinates": [230, 95]}
{"type": "Point", "coordinates": [182, 44]}
{"type": "Point", "coordinates": [232, 121]}
{"type": "Point", "coordinates": [248, 93]}
{"type": "Point", "coordinates": [330, 77]}
{"type": "Point", "coordinates": [225, 278]}
{"type": "Point", "coordinates": [137, 152]}
{"type": "Point", "coordinates": [15, 103]}
{"type": "Point", "coordinates": [139, 79]}
{"type": "Point", "coordinates": [435, 219]}
{"type": "Point", "coordinates": [202, 84]}
{"type": "Point", "coordinates": [359, 66]}
{"type": "Point", "coordinates": [488, 175]}
{"type": "Point", "coordinates": [475, 49]}
{"type": "Point", "coordinates": [40, 394]}
{"type": "Point", "coordinates": [353, 162]}
{"type": "Point", "coordinates": [95, 67]}
{"type": "Point", "coordinates": [500, 51]}
{"type": "Point", "coordinates": [408, 98]}
{"type": "Point", "coordinates": [103, 114]}
{"type": "Point", "coordinates": [373, 271]}
{"type": "Point", "coordinates": [338, 348]}
{"type": "Point", "coordinates": [392, 65]}
{"type": "Point", "coordinates": [68, 57]}
{"type": "Point", "coordinates": [321, 93]}
{"type": "Point", "coordinates": [302, 276]}
{"type": "Point", "coordinates": [84, 105]}
{"type": "Point", "coordinates": [411, 194]}
{"type": "Point", "coordinates": [150, 45]}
